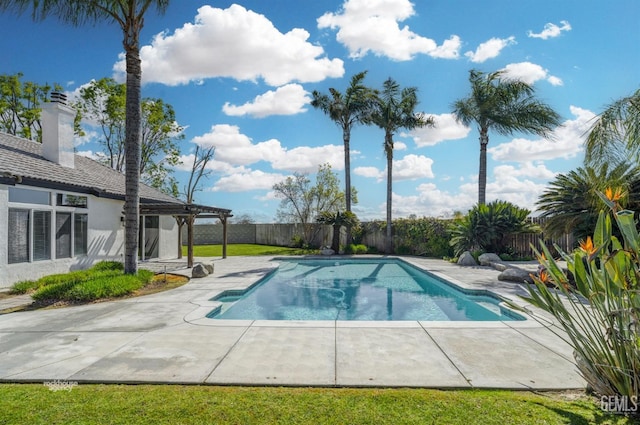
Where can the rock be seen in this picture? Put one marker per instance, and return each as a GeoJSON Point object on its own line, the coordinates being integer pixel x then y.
{"type": "Point", "coordinates": [466, 259]}
{"type": "Point", "coordinates": [208, 267]}
{"type": "Point", "coordinates": [199, 271]}
{"type": "Point", "coordinates": [516, 275]}
{"type": "Point", "coordinates": [500, 266]}
{"type": "Point", "coordinates": [327, 251]}
{"type": "Point", "coordinates": [488, 258]}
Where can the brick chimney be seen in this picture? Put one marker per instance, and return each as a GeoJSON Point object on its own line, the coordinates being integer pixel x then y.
{"type": "Point", "coordinates": [57, 130]}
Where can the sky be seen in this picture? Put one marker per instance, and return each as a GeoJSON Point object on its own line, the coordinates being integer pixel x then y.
{"type": "Point", "coordinates": [240, 76]}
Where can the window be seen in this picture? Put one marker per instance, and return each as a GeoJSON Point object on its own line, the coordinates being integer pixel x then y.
{"type": "Point", "coordinates": [28, 196]}
{"type": "Point", "coordinates": [41, 235]}
{"type": "Point", "coordinates": [63, 234]}
{"type": "Point", "coordinates": [80, 228]}
{"type": "Point", "coordinates": [66, 200]}
{"type": "Point", "coordinates": [18, 236]}
{"type": "Point", "coordinates": [30, 230]}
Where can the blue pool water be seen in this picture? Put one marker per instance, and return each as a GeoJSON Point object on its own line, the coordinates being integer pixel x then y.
{"type": "Point", "coordinates": [362, 289]}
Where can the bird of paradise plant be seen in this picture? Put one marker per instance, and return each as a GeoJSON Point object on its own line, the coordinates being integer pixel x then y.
{"type": "Point", "coordinates": [600, 312]}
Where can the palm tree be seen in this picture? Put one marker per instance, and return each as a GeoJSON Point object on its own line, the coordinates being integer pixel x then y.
{"type": "Point", "coordinates": [346, 110]}
{"type": "Point", "coordinates": [394, 109]}
{"type": "Point", "coordinates": [571, 203]}
{"type": "Point", "coordinates": [129, 15]}
{"type": "Point", "coordinates": [615, 135]}
{"type": "Point", "coordinates": [337, 219]}
{"type": "Point", "coordinates": [506, 106]}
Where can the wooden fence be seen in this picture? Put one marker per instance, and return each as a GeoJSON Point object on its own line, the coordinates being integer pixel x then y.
{"type": "Point", "coordinates": [284, 235]}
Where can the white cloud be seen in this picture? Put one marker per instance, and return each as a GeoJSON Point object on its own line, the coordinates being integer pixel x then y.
{"type": "Point", "coordinates": [371, 172]}
{"type": "Point", "coordinates": [305, 159]}
{"type": "Point", "coordinates": [235, 148]}
{"type": "Point", "coordinates": [525, 169]}
{"type": "Point", "coordinates": [251, 180]}
{"type": "Point", "coordinates": [430, 201]}
{"type": "Point", "coordinates": [373, 26]}
{"type": "Point", "coordinates": [529, 73]}
{"type": "Point", "coordinates": [411, 167]}
{"type": "Point", "coordinates": [551, 30]}
{"type": "Point", "coordinates": [509, 187]}
{"type": "Point", "coordinates": [399, 146]}
{"type": "Point", "coordinates": [446, 128]}
{"type": "Point", "coordinates": [97, 156]}
{"type": "Point", "coordinates": [555, 81]}
{"type": "Point", "coordinates": [566, 142]}
{"type": "Point", "coordinates": [490, 49]}
{"type": "Point", "coordinates": [256, 49]}
{"type": "Point", "coordinates": [286, 100]}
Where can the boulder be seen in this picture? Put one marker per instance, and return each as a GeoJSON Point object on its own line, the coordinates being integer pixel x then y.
{"type": "Point", "coordinates": [500, 266]}
{"type": "Point", "coordinates": [514, 274]}
{"type": "Point", "coordinates": [209, 267]}
{"type": "Point", "coordinates": [488, 258]}
{"type": "Point", "coordinates": [327, 251]}
{"type": "Point", "coordinates": [199, 270]}
{"type": "Point", "coordinates": [466, 259]}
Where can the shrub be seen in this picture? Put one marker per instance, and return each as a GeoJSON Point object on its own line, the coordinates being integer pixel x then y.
{"type": "Point", "coordinates": [424, 236]}
{"type": "Point", "coordinates": [54, 291]}
{"type": "Point", "coordinates": [605, 331]}
{"type": "Point", "coordinates": [355, 249]}
{"type": "Point", "coordinates": [487, 226]}
{"type": "Point", "coordinates": [108, 287]}
{"type": "Point", "coordinates": [89, 285]}
{"type": "Point", "coordinates": [108, 265]}
{"type": "Point", "coordinates": [23, 286]}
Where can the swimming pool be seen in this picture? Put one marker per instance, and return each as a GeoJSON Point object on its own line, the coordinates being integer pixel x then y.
{"type": "Point", "coordinates": [357, 289]}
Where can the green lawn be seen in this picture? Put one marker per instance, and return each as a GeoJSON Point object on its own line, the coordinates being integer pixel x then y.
{"type": "Point", "coordinates": [243, 249]}
{"type": "Point", "coordinates": [176, 404]}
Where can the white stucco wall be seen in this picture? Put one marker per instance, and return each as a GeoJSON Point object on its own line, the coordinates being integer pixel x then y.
{"type": "Point", "coordinates": [105, 241]}
{"type": "Point", "coordinates": [4, 219]}
{"type": "Point", "coordinates": [168, 237]}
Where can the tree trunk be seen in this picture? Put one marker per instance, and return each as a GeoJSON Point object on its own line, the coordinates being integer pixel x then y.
{"type": "Point", "coordinates": [335, 243]}
{"type": "Point", "coordinates": [132, 162]}
{"type": "Point", "coordinates": [190, 221]}
{"type": "Point", "coordinates": [346, 138]}
{"type": "Point", "coordinates": [180, 222]}
{"type": "Point", "coordinates": [388, 147]}
{"type": "Point", "coordinates": [482, 174]}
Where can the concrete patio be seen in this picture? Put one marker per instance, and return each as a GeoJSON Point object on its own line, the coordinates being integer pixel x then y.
{"type": "Point", "coordinates": [166, 338]}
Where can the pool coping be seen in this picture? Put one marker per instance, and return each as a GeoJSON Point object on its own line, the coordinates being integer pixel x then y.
{"type": "Point", "coordinates": [166, 338]}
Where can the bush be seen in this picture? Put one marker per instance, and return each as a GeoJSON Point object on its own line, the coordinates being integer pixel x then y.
{"type": "Point", "coordinates": [426, 236]}
{"type": "Point", "coordinates": [23, 286]}
{"type": "Point", "coordinates": [605, 331]}
{"type": "Point", "coordinates": [487, 227]}
{"type": "Point", "coordinates": [89, 285]}
{"type": "Point", "coordinates": [108, 265]}
{"type": "Point", "coordinates": [355, 249]}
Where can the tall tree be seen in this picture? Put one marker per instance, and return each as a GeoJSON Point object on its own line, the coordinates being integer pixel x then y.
{"type": "Point", "coordinates": [395, 109]}
{"type": "Point", "coordinates": [201, 158]}
{"type": "Point", "coordinates": [129, 15]}
{"type": "Point", "coordinates": [571, 204]}
{"type": "Point", "coordinates": [301, 202]}
{"type": "Point", "coordinates": [102, 104]}
{"type": "Point", "coordinates": [346, 110]}
{"type": "Point", "coordinates": [615, 135]}
{"type": "Point", "coordinates": [20, 106]}
{"type": "Point", "coordinates": [505, 106]}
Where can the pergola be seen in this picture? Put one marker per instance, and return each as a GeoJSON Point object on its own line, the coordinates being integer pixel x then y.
{"type": "Point", "coordinates": [187, 213]}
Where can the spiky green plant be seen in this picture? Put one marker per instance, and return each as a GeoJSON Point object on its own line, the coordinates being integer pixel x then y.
{"type": "Point", "coordinates": [487, 226]}
{"type": "Point", "coordinates": [599, 308]}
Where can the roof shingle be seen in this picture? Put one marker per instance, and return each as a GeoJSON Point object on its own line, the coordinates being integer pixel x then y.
{"type": "Point", "coordinates": [23, 158]}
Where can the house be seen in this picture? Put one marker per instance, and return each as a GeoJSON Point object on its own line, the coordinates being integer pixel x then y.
{"type": "Point", "coordinates": [60, 211]}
